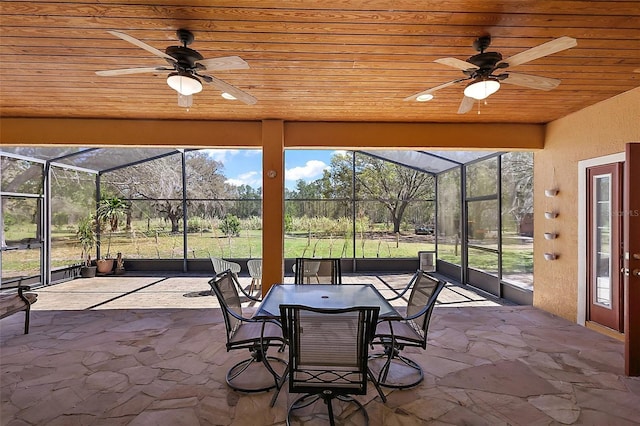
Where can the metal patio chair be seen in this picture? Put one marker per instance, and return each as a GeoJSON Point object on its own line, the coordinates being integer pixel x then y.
{"type": "Point", "coordinates": [322, 271]}
{"type": "Point", "coordinates": [246, 333]}
{"type": "Point", "coordinates": [328, 354]}
{"type": "Point", "coordinates": [410, 331]}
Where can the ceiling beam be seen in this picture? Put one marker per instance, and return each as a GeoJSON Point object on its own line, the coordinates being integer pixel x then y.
{"type": "Point", "coordinates": [309, 135]}
{"type": "Point", "coordinates": [493, 136]}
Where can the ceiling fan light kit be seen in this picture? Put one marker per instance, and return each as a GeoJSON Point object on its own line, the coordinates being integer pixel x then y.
{"type": "Point", "coordinates": [482, 88]}
{"type": "Point", "coordinates": [185, 101]}
{"type": "Point", "coordinates": [184, 83]}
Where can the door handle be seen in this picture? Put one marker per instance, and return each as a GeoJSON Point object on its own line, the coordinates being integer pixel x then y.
{"type": "Point", "coordinates": [636, 272]}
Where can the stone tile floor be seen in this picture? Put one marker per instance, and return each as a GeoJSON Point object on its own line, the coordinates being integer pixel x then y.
{"type": "Point", "coordinates": [150, 351]}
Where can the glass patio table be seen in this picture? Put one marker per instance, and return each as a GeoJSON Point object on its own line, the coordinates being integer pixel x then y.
{"type": "Point", "coordinates": [327, 296]}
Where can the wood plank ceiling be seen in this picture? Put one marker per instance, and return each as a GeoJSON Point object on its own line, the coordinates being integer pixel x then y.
{"type": "Point", "coordinates": [344, 60]}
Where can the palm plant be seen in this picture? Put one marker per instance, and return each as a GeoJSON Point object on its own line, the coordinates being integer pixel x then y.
{"type": "Point", "coordinates": [87, 238]}
{"type": "Point", "coordinates": [110, 211]}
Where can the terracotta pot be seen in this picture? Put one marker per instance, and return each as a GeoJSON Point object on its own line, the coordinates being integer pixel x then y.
{"type": "Point", "coordinates": [105, 266]}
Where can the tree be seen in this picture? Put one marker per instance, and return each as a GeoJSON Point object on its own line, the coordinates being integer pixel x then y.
{"type": "Point", "coordinates": [160, 182]}
{"type": "Point", "coordinates": [517, 184]}
{"type": "Point", "coordinates": [392, 185]}
{"type": "Point", "coordinates": [249, 200]}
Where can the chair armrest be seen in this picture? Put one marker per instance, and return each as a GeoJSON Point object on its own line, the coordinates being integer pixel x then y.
{"type": "Point", "coordinates": [407, 287]}
{"type": "Point", "coordinates": [21, 289]}
{"type": "Point", "coordinates": [16, 283]}
{"type": "Point", "coordinates": [248, 296]}
{"type": "Point", "coordinates": [399, 295]}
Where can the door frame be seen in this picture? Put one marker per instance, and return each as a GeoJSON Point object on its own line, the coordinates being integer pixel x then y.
{"type": "Point", "coordinates": [582, 228]}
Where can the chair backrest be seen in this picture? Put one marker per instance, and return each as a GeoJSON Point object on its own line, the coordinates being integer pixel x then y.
{"type": "Point", "coordinates": [423, 298]}
{"type": "Point", "coordinates": [225, 288]}
{"type": "Point", "coordinates": [221, 265]}
{"type": "Point", "coordinates": [255, 268]}
{"type": "Point", "coordinates": [328, 348]}
{"type": "Point", "coordinates": [317, 271]}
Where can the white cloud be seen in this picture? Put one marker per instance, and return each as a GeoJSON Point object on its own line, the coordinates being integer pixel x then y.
{"type": "Point", "coordinates": [222, 155]}
{"type": "Point", "coordinates": [251, 178]}
{"type": "Point", "coordinates": [311, 170]}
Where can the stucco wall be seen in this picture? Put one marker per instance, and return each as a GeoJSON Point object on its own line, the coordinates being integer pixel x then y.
{"type": "Point", "coordinates": [599, 130]}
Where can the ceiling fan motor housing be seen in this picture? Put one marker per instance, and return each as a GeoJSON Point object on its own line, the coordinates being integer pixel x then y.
{"type": "Point", "coordinates": [186, 58]}
{"type": "Point", "coordinates": [486, 63]}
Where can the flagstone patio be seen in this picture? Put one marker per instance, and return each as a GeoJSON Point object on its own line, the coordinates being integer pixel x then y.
{"type": "Point", "coordinates": [151, 351]}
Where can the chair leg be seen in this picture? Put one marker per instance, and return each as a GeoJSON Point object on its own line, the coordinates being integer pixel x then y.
{"type": "Point", "coordinates": [27, 313]}
{"type": "Point", "coordinates": [377, 386]}
{"type": "Point", "coordinates": [332, 421]}
{"type": "Point", "coordinates": [279, 386]}
{"type": "Point", "coordinates": [360, 406]}
{"type": "Point", "coordinates": [242, 366]}
{"type": "Point", "coordinates": [300, 402]}
{"type": "Point", "coordinates": [392, 352]}
{"type": "Point", "coordinates": [308, 399]}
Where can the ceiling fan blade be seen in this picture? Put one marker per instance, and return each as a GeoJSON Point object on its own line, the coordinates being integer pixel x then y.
{"type": "Point", "coordinates": [548, 48]}
{"type": "Point", "coordinates": [433, 89]}
{"type": "Point", "coordinates": [456, 63]}
{"type": "Point", "coordinates": [224, 63]}
{"type": "Point", "coordinates": [466, 105]}
{"type": "Point", "coordinates": [532, 81]}
{"type": "Point", "coordinates": [142, 45]}
{"type": "Point", "coordinates": [125, 71]}
{"type": "Point", "coordinates": [232, 90]}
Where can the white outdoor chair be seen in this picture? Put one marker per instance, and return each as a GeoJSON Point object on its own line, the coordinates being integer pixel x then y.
{"type": "Point", "coordinates": [221, 265]}
{"type": "Point", "coordinates": [255, 271]}
{"type": "Point", "coordinates": [323, 271]}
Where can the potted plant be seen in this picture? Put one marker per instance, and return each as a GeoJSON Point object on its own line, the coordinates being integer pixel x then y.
{"type": "Point", "coordinates": [87, 238]}
{"type": "Point", "coordinates": [110, 211]}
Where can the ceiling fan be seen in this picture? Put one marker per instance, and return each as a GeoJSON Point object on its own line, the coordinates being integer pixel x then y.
{"type": "Point", "coordinates": [480, 68]}
{"type": "Point", "coordinates": [185, 67]}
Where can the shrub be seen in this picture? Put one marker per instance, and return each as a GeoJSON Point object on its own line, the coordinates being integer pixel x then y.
{"type": "Point", "coordinates": [230, 226]}
{"type": "Point", "coordinates": [288, 223]}
{"type": "Point", "coordinates": [253, 223]}
{"type": "Point", "coordinates": [198, 224]}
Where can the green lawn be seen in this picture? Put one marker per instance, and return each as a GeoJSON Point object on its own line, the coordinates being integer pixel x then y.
{"type": "Point", "coordinates": [201, 245]}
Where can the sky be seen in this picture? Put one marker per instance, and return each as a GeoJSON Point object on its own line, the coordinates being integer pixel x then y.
{"type": "Point", "coordinates": [244, 166]}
